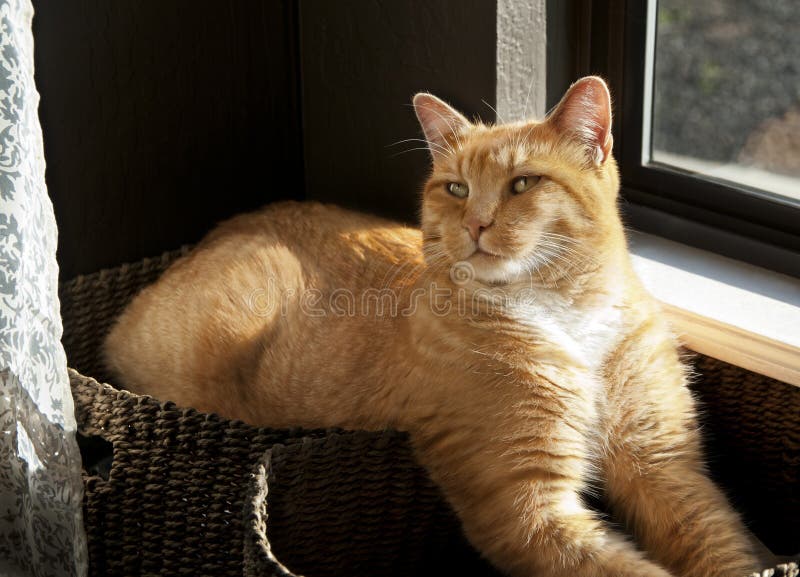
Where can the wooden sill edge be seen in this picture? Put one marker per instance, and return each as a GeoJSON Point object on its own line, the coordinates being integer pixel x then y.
{"type": "Point", "coordinates": [731, 311]}
{"type": "Point", "coordinates": [735, 346]}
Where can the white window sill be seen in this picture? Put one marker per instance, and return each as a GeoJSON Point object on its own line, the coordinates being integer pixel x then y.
{"type": "Point", "coordinates": [738, 313]}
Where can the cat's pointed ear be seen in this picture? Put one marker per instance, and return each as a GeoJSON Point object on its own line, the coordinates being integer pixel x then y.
{"type": "Point", "coordinates": [585, 113]}
{"type": "Point", "coordinates": [439, 121]}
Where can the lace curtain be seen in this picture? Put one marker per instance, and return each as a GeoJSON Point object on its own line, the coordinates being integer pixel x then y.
{"type": "Point", "coordinates": [41, 528]}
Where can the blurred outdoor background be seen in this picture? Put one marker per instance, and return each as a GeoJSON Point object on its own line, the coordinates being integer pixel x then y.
{"type": "Point", "coordinates": [726, 98]}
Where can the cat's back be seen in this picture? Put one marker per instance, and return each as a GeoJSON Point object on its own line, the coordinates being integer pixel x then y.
{"type": "Point", "coordinates": [304, 245]}
{"type": "Point", "coordinates": [203, 323]}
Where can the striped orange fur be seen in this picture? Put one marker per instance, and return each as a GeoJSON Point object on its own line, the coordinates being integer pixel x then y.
{"type": "Point", "coordinates": [509, 336]}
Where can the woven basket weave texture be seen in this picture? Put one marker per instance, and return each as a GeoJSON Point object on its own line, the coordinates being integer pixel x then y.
{"type": "Point", "coordinates": [751, 425]}
{"type": "Point", "coordinates": [351, 504]}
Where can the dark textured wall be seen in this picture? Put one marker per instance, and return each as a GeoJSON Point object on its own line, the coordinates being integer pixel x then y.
{"type": "Point", "coordinates": [363, 60]}
{"type": "Point", "coordinates": [161, 118]}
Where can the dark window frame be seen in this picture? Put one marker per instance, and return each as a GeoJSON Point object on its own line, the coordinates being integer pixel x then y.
{"type": "Point", "coordinates": [608, 38]}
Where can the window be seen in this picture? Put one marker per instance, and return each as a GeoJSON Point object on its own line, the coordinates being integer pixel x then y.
{"type": "Point", "coordinates": [724, 101]}
{"type": "Point", "coordinates": [707, 106]}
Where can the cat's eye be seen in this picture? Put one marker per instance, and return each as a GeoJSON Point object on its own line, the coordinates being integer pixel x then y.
{"type": "Point", "coordinates": [458, 189]}
{"type": "Point", "coordinates": [523, 183]}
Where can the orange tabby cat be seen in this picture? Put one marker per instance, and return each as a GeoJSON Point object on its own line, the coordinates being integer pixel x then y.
{"type": "Point", "coordinates": [510, 338]}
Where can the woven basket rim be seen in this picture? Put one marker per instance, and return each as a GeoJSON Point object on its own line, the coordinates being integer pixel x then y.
{"type": "Point", "coordinates": [165, 258]}
{"type": "Point", "coordinates": [103, 388]}
{"type": "Point", "coordinates": [257, 549]}
{"type": "Point", "coordinates": [303, 434]}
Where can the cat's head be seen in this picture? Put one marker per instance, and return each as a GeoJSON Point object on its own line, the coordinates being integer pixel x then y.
{"type": "Point", "coordinates": [521, 199]}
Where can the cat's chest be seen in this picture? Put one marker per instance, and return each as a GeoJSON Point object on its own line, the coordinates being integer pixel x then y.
{"type": "Point", "coordinates": [587, 333]}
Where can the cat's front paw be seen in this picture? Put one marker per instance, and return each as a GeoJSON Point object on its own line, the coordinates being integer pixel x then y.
{"type": "Point", "coordinates": [791, 569]}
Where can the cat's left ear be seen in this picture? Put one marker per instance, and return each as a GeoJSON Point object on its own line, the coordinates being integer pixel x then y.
{"type": "Point", "coordinates": [439, 121]}
{"type": "Point", "coordinates": [585, 113]}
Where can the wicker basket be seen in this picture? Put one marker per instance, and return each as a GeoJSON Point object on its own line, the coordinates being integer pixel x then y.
{"type": "Point", "coordinates": [751, 426]}
{"type": "Point", "coordinates": [166, 486]}
{"type": "Point", "coordinates": [170, 500]}
{"type": "Point", "coordinates": [351, 504]}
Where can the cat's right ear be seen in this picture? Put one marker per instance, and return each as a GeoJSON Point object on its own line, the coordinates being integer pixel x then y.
{"type": "Point", "coordinates": [585, 114]}
{"type": "Point", "coordinates": [440, 122]}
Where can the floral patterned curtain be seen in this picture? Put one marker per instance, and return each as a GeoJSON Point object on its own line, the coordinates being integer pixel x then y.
{"type": "Point", "coordinates": [41, 527]}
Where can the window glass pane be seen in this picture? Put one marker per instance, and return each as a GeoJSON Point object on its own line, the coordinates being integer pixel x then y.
{"type": "Point", "coordinates": [726, 91]}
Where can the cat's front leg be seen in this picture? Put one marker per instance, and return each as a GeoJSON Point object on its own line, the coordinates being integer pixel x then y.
{"type": "Point", "coordinates": [513, 463]}
{"type": "Point", "coordinates": [655, 474]}
{"type": "Point", "coordinates": [529, 533]}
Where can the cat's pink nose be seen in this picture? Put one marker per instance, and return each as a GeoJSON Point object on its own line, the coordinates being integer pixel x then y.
{"type": "Point", "coordinates": [475, 225]}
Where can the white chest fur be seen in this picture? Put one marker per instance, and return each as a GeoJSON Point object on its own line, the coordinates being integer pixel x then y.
{"type": "Point", "coordinates": [586, 333]}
